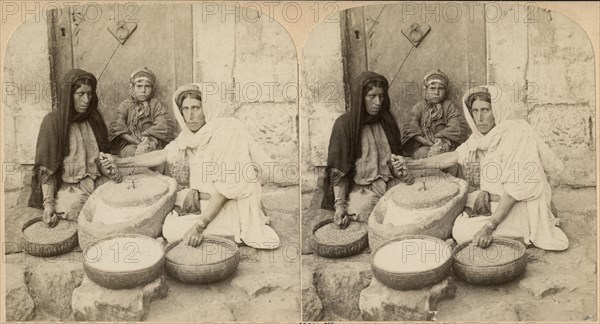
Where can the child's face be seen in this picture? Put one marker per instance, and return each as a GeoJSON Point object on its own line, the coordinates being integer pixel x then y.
{"type": "Point", "coordinates": [435, 92]}
{"type": "Point", "coordinates": [142, 89]}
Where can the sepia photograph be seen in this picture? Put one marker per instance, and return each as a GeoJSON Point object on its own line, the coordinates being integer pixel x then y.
{"type": "Point", "coordinates": [449, 165]}
{"type": "Point", "coordinates": [150, 164]}
{"type": "Point", "coordinates": [203, 161]}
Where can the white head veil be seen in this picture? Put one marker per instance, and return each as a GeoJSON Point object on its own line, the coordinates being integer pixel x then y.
{"type": "Point", "coordinates": [217, 119]}
{"type": "Point", "coordinates": [479, 142]}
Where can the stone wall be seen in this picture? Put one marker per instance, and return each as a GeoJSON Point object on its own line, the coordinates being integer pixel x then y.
{"type": "Point", "coordinates": [251, 62]}
{"type": "Point", "coordinates": [322, 98]}
{"type": "Point", "coordinates": [544, 67]}
{"type": "Point", "coordinates": [26, 98]}
{"type": "Point", "coordinates": [252, 74]}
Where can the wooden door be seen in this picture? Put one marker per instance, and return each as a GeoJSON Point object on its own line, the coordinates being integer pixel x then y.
{"type": "Point", "coordinates": [162, 41]}
{"type": "Point", "coordinates": [373, 40]}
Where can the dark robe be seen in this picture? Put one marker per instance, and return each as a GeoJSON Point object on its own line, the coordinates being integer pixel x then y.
{"type": "Point", "coordinates": [344, 144]}
{"type": "Point", "coordinates": [448, 123]}
{"type": "Point", "coordinates": [154, 121]}
{"type": "Point", "coordinates": [53, 139]}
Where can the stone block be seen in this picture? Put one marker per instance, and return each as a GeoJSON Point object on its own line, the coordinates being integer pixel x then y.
{"type": "Point", "coordinates": [312, 307]}
{"type": "Point", "coordinates": [52, 284]}
{"type": "Point", "coordinates": [571, 130]}
{"type": "Point", "coordinates": [320, 126]}
{"type": "Point", "coordinates": [571, 136]}
{"type": "Point", "coordinates": [257, 284]}
{"type": "Point", "coordinates": [541, 286]}
{"type": "Point", "coordinates": [563, 51]}
{"type": "Point", "coordinates": [18, 302]}
{"type": "Point", "coordinates": [322, 90]}
{"type": "Point", "coordinates": [507, 53]}
{"type": "Point", "coordinates": [276, 306]}
{"type": "Point", "coordinates": [381, 303]}
{"type": "Point", "coordinates": [27, 96]}
{"type": "Point", "coordinates": [274, 127]}
{"type": "Point", "coordinates": [92, 302]}
{"type": "Point", "coordinates": [339, 286]}
{"type": "Point", "coordinates": [259, 44]}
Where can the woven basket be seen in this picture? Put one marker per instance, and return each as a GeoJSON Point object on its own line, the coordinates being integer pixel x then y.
{"type": "Point", "coordinates": [492, 274]}
{"type": "Point", "coordinates": [47, 250]}
{"type": "Point", "coordinates": [337, 251]}
{"type": "Point", "coordinates": [125, 279]}
{"type": "Point", "coordinates": [204, 273]}
{"type": "Point", "coordinates": [411, 280]}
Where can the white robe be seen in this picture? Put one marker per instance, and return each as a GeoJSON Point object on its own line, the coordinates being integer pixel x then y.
{"type": "Point", "coordinates": [223, 159]}
{"type": "Point", "coordinates": [514, 160]}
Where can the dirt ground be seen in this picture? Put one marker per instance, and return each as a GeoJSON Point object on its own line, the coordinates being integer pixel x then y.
{"type": "Point", "coordinates": [266, 286]}
{"type": "Point", "coordinates": [574, 299]}
{"type": "Point", "coordinates": [566, 282]}
{"type": "Point", "coordinates": [560, 286]}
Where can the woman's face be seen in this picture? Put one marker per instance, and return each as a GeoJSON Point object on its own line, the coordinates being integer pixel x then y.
{"type": "Point", "coordinates": [435, 92]}
{"type": "Point", "coordinates": [82, 98]}
{"type": "Point", "coordinates": [483, 116]}
{"type": "Point", "coordinates": [192, 112]}
{"type": "Point", "coordinates": [374, 101]}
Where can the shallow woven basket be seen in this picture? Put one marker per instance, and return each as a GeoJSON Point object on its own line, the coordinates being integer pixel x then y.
{"type": "Point", "coordinates": [411, 280]}
{"type": "Point", "coordinates": [337, 251]}
{"type": "Point", "coordinates": [492, 274]}
{"type": "Point", "coordinates": [204, 273]}
{"type": "Point", "coordinates": [47, 250]}
{"type": "Point", "coordinates": [125, 279]}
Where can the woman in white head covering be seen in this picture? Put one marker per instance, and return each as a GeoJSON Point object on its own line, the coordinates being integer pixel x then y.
{"type": "Point", "coordinates": [504, 158]}
{"type": "Point", "coordinates": [216, 158]}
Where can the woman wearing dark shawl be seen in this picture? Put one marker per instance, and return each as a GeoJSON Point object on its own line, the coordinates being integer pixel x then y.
{"type": "Point", "coordinates": [364, 142]}
{"type": "Point", "coordinates": [69, 143]}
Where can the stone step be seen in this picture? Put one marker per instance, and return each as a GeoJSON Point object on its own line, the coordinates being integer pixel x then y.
{"type": "Point", "coordinates": [381, 303]}
{"type": "Point", "coordinates": [92, 302]}
{"type": "Point", "coordinates": [19, 303]}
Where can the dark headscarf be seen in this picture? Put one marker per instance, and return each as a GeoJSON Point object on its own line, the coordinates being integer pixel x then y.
{"type": "Point", "coordinates": [53, 139]}
{"type": "Point", "coordinates": [344, 144]}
